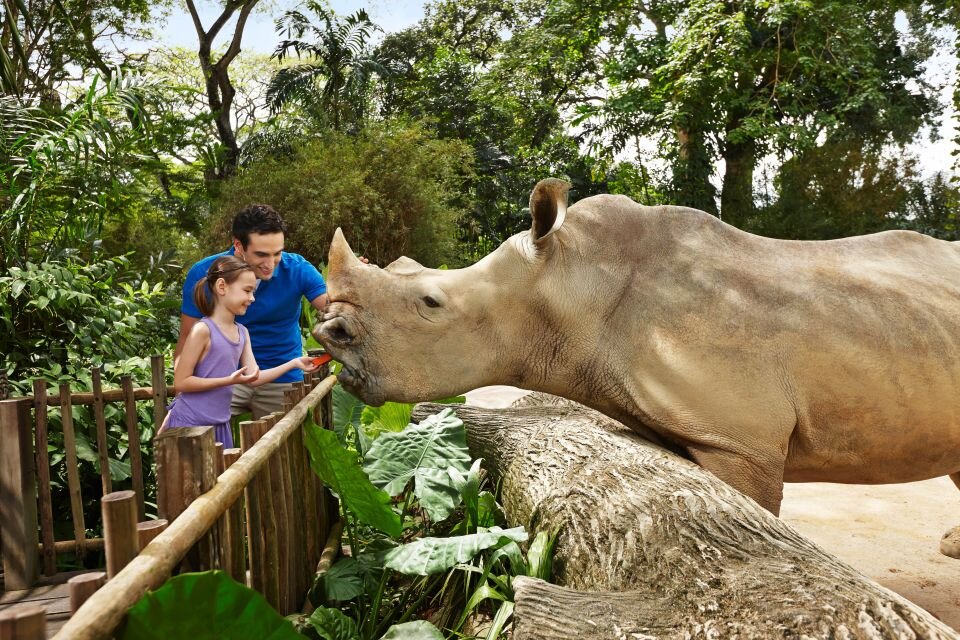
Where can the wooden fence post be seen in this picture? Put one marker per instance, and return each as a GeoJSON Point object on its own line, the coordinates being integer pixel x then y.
{"type": "Point", "coordinates": [103, 454]}
{"type": "Point", "coordinates": [18, 495]}
{"type": "Point", "coordinates": [73, 468]}
{"type": "Point", "coordinates": [185, 470]}
{"type": "Point", "coordinates": [148, 530]}
{"type": "Point", "coordinates": [158, 378]}
{"type": "Point", "coordinates": [120, 535]}
{"type": "Point", "coordinates": [83, 586]}
{"type": "Point", "coordinates": [43, 478]}
{"type": "Point", "coordinates": [133, 441]}
{"type": "Point", "coordinates": [23, 623]}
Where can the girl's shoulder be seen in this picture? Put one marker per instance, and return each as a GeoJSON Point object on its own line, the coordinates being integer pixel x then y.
{"type": "Point", "coordinates": [200, 328]}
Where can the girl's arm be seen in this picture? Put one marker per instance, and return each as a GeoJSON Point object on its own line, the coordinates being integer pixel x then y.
{"type": "Point", "coordinates": [194, 349]}
{"type": "Point", "coordinates": [269, 375]}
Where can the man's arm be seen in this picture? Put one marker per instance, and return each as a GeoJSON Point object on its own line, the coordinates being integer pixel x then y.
{"type": "Point", "coordinates": [320, 303]}
{"type": "Point", "coordinates": [186, 324]}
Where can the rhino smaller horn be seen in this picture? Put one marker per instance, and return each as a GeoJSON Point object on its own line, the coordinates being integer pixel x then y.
{"type": "Point", "coordinates": [548, 206]}
{"type": "Point", "coordinates": [341, 257]}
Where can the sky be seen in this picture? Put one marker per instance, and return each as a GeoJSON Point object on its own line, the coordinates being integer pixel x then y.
{"type": "Point", "coordinates": [259, 34]}
{"type": "Point", "coordinates": [395, 15]}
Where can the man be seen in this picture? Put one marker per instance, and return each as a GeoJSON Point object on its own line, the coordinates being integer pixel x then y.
{"type": "Point", "coordinates": [273, 319]}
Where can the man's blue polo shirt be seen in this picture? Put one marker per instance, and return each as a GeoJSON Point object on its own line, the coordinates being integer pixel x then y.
{"type": "Point", "coordinates": [273, 319]}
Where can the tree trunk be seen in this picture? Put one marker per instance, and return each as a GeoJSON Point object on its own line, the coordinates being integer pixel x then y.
{"type": "Point", "coordinates": [692, 170]}
{"type": "Point", "coordinates": [652, 546]}
{"type": "Point", "coordinates": [736, 196]}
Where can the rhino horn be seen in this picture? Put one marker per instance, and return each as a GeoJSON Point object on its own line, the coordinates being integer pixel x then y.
{"type": "Point", "coordinates": [340, 258]}
{"type": "Point", "coordinates": [548, 206]}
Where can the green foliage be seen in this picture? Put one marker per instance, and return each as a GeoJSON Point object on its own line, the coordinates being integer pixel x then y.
{"type": "Point", "coordinates": [205, 606]}
{"type": "Point", "coordinates": [340, 471]}
{"type": "Point", "coordinates": [60, 318]}
{"type": "Point", "coordinates": [427, 556]}
{"type": "Point", "coordinates": [44, 43]}
{"type": "Point", "coordinates": [370, 587]}
{"type": "Point", "coordinates": [334, 86]}
{"type": "Point", "coordinates": [416, 630]}
{"type": "Point", "coordinates": [422, 454]}
{"type": "Point", "coordinates": [392, 189]}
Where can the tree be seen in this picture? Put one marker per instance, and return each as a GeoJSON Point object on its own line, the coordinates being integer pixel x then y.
{"type": "Point", "coordinates": [334, 86]}
{"type": "Point", "coordinates": [43, 42]}
{"type": "Point", "coordinates": [734, 81]}
{"type": "Point", "coordinates": [216, 72]}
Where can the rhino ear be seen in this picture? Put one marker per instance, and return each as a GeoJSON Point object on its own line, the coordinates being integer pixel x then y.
{"type": "Point", "coordinates": [340, 258]}
{"type": "Point", "coordinates": [548, 207]}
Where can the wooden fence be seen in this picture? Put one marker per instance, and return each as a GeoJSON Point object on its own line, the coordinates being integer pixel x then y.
{"type": "Point", "coordinates": [257, 512]}
{"type": "Point", "coordinates": [25, 489]}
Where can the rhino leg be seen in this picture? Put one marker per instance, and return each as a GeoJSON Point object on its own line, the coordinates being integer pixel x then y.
{"type": "Point", "coordinates": [950, 542]}
{"type": "Point", "coordinates": [757, 476]}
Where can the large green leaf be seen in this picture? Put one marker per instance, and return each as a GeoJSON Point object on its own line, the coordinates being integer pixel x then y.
{"type": "Point", "coordinates": [343, 581]}
{"type": "Point", "coordinates": [422, 453]}
{"type": "Point", "coordinates": [332, 624]}
{"type": "Point", "coordinates": [416, 630]}
{"type": "Point", "coordinates": [205, 606]}
{"type": "Point", "coordinates": [339, 470]}
{"type": "Point", "coordinates": [428, 556]}
{"type": "Point", "coordinates": [347, 410]}
{"type": "Point", "coordinates": [391, 416]}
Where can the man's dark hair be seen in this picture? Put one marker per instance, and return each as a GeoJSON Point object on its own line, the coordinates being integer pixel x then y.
{"type": "Point", "coordinates": [257, 218]}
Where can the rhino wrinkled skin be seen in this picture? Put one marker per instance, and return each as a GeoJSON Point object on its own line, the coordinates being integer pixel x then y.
{"type": "Point", "coordinates": [762, 360]}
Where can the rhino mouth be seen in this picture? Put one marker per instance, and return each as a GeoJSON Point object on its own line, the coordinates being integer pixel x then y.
{"type": "Point", "coordinates": [359, 383]}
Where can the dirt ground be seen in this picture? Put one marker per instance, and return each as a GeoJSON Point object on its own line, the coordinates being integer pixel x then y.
{"type": "Point", "coordinates": [890, 533]}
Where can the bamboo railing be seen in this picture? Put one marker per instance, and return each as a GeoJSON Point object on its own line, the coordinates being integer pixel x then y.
{"type": "Point", "coordinates": [25, 495]}
{"type": "Point", "coordinates": [204, 533]}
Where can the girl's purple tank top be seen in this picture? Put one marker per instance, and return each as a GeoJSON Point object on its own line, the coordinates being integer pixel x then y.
{"type": "Point", "coordinates": [212, 407]}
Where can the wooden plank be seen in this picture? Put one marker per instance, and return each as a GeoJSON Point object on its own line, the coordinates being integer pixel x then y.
{"type": "Point", "coordinates": [158, 378]}
{"type": "Point", "coordinates": [261, 498]}
{"type": "Point", "coordinates": [283, 510]}
{"type": "Point", "coordinates": [18, 494]}
{"type": "Point", "coordinates": [236, 565]}
{"type": "Point", "coordinates": [219, 531]}
{"type": "Point", "coordinates": [73, 470]}
{"type": "Point", "coordinates": [250, 432]}
{"type": "Point", "coordinates": [99, 618]}
{"type": "Point", "coordinates": [133, 442]}
{"type": "Point", "coordinates": [120, 535]}
{"type": "Point", "coordinates": [103, 453]}
{"type": "Point", "coordinates": [43, 478]}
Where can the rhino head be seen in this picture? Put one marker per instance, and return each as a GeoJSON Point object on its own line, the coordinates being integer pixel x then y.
{"type": "Point", "coordinates": [408, 333]}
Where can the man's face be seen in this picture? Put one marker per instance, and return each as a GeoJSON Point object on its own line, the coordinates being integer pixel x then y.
{"type": "Point", "coordinates": [262, 253]}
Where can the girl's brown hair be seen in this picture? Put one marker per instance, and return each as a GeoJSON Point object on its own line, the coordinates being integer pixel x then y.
{"type": "Point", "coordinates": [227, 267]}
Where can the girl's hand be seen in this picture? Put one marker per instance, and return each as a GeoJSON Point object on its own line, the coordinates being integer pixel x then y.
{"type": "Point", "coordinates": [305, 363]}
{"type": "Point", "coordinates": [240, 376]}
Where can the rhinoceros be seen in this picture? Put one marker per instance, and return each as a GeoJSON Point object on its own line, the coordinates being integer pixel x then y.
{"type": "Point", "coordinates": [761, 360]}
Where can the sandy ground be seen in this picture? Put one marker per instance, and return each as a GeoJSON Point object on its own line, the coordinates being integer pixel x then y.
{"type": "Point", "coordinates": [890, 533]}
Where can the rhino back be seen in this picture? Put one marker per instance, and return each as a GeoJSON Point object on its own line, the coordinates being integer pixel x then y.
{"type": "Point", "coordinates": [830, 349]}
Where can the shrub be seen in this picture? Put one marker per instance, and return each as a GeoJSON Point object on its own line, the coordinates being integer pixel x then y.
{"type": "Point", "coordinates": [393, 189]}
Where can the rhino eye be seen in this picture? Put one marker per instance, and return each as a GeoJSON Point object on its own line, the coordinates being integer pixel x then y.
{"type": "Point", "coordinates": [430, 302]}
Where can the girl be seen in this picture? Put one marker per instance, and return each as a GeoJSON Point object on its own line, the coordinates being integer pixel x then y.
{"type": "Point", "coordinates": [207, 369]}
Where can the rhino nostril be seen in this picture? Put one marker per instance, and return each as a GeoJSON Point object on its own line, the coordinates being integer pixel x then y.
{"type": "Point", "coordinates": [336, 331]}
